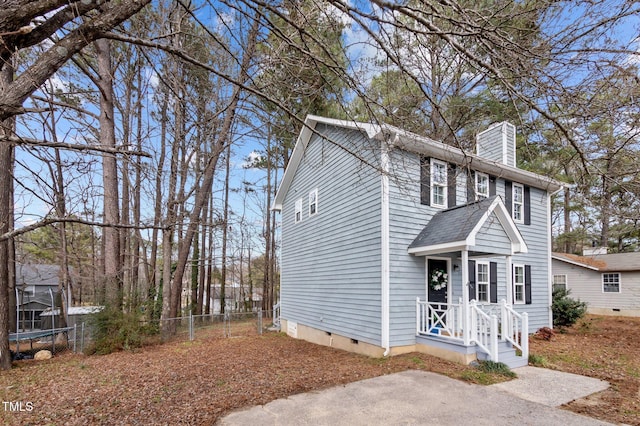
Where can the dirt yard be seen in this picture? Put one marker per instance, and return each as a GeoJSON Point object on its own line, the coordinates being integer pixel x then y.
{"type": "Point", "coordinates": [198, 382]}
{"type": "Point", "coordinates": [605, 348]}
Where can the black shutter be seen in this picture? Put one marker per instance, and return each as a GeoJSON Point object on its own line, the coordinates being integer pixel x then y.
{"type": "Point", "coordinates": [527, 205]}
{"type": "Point", "coordinates": [492, 186]}
{"type": "Point", "coordinates": [472, 279]}
{"type": "Point", "coordinates": [493, 282]}
{"type": "Point", "coordinates": [451, 185]}
{"type": "Point", "coordinates": [508, 196]}
{"type": "Point", "coordinates": [425, 181]}
{"type": "Point", "coordinates": [471, 186]}
{"type": "Point", "coordinates": [527, 284]}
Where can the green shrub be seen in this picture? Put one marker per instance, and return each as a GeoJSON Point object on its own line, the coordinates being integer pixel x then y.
{"type": "Point", "coordinates": [566, 311]}
{"type": "Point", "coordinates": [113, 330]}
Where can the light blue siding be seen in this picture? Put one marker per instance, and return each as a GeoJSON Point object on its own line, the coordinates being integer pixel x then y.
{"type": "Point", "coordinates": [331, 262]}
{"type": "Point", "coordinates": [490, 144]}
{"type": "Point", "coordinates": [492, 238]}
{"type": "Point", "coordinates": [407, 272]}
{"type": "Point", "coordinates": [536, 236]}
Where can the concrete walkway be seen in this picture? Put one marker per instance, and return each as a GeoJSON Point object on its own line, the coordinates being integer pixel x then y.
{"type": "Point", "coordinates": [550, 387]}
{"type": "Point", "coordinates": [424, 398]}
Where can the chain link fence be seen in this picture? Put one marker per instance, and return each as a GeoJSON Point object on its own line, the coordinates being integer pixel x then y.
{"type": "Point", "coordinates": [78, 338]}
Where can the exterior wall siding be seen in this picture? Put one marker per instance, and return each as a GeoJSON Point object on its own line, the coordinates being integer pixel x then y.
{"type": "Point", "coordinates": [331, 261]}
{"type": "Point", "coordinates": [490, 144]}
{"type": "Point", "coordinates": [586, 285]}
{"type": "Point", "coordinates": [536, 238]}
{"type": "Point", "coordinates": [492, 238]}
{"type": "Point", "coordinates": [407, 274]}
{"type": "Point", "coordinates": [407, 217]}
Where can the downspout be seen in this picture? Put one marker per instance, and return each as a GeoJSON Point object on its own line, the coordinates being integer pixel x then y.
{"type": "Point", "coordinates": [385, 261]}
{"type": "Point", "coordinates": [549, 250]}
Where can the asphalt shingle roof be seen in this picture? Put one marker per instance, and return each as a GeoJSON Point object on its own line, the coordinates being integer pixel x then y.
{"type": "Point", "coordinates": [615, 262]}
{"type": "Point", "coordinates": [452, 225]}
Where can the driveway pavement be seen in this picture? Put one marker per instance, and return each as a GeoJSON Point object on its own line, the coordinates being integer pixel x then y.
{"type": "Point", "coordinates": [423, 398]}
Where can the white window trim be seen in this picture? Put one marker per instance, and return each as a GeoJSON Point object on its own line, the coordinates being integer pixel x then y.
{"type": "Point", "coordinates": [488, 282]}
{"type": "Point", "coordinates": [478, 176]}
{"type": "Point", "coordinates": [315, 194]}
{"type": "Point", "coordinates": [513, 202]}
{"type": "Point", "coordinates": [298, 209]}
{"type": "Point", "coordinates": [524, 280]}
{"type": "Point", "coordinates": [433, 183]}
{"type": "Point", "coordinates": [619, 282]}
{"type": "Point", "coordinates": [566, 281]}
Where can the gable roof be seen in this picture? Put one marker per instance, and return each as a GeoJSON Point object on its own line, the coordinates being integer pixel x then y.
{"type": "Point", "coordinates": [457, 228]}
{"type": "Point", "coordinates": [403, 139]}
{"type": "Point", "coordinates": [37, 274]}
{"type": "Point", "coordinates": [615, 262]}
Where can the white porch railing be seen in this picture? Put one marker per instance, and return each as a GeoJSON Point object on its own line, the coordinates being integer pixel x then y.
{"type": "Point", "coordinates": [515, 328]}
{"type": "Point", "coordinates": [439, 319]}
{"type": "Point", "coordinates": [487, 324]}
{"type": "Point", "coordinates": [484, 330]}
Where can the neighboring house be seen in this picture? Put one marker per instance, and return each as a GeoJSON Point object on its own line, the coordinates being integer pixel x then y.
{"type": "Point", "coordinates": [393, 242]}
{"type": "Point", "coordinates": [609, 283]}
{"type": "Point", "coordinates": [76, 316]}
{"type": "Point", "coordinates": [35, 285]}
{"type": "Point", "coordinates": [236, 298]}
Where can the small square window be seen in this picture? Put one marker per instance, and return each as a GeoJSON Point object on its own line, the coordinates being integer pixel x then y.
{"type": "Point", "coordinates": [559, 282]}
{"type": "Point", "coordinates": [611, 283]}
{"type": "Point", "coordinates": [313, 202]}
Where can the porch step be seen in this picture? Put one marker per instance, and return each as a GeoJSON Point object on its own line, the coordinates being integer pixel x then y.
{"type": "Point", "coordinates": [506, 355]}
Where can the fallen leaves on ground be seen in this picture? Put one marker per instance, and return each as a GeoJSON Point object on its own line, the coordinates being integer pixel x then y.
{"type": "Point", "coordinates": [198, 382]}
{"type": "Point", "coordinates": [188, 382]}
{"type": "Point", "coordinates": [605, 348]}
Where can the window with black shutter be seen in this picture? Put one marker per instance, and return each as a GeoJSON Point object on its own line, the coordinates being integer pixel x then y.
{"type": "Point", "coordinates": [425, 181]}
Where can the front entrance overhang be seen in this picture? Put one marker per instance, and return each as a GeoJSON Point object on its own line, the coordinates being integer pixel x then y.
{"type": "Point", "coordinates": [483, 227]}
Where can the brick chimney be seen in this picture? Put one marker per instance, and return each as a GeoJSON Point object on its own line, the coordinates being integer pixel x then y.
{"type": "Point", "coordinates": [498, 143]}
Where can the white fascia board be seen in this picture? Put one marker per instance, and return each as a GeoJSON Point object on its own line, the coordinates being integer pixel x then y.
{"type": "Point", "coordinates": [497, 207]}
{"type": "Point", "coordinates": [439, 248]}
{"type": "Point", "coordinates": [426, 146]}
{"type": "Point", "coordinates": [573, 262]}
{"type": "Point", "coordinates": [373, 131]}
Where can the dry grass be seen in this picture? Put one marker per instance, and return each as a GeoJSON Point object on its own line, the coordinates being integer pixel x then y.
{"type": "Point", "coordinates": [605, 348]}
{"type": "Point", "coordinates": [198, 382]}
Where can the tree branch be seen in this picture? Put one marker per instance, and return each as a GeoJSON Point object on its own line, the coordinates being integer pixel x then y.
{"type": "Point", "coordinates": [71, 146]}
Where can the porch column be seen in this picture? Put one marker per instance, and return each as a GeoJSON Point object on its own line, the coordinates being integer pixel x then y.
{"type": "Point", "coordinates": [466, 329]}
{"type": "Point", "coordinates": [509, 273]}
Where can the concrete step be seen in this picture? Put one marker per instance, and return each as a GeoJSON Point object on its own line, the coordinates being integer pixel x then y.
{"type": "Point", "coordinates": [506, 355]}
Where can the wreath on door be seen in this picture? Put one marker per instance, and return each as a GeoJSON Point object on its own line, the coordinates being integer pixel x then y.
{"type": "Point", "coordinates": [439, 279]}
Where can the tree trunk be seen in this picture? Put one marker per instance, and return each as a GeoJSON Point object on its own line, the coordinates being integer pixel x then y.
{"type": "Point", "coordinates": [203, 193]}
{"type": "Point", "coordinates": [111, 254]}
{"type": "Point", "coordinates": [6, 221]}
{"type": "Point", "coordinates": [225, 232]}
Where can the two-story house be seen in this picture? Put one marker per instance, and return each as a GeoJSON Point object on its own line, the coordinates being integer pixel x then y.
{"type": "Point", "coordinates": [393, 242]}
